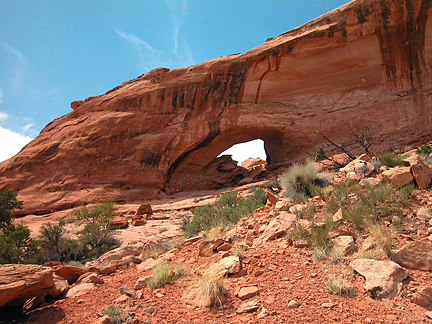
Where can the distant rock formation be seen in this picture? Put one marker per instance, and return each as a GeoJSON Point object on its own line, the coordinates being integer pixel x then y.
{"type": "Point", "coordinates": [365, 63]}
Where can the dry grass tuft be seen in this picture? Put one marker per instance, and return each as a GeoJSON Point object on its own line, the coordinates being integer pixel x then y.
{"type": "Point", "coordinates": [206, 291]}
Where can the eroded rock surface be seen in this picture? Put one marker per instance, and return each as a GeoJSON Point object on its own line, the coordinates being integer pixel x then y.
{"type": "Point", "coordinates": [364, 63]}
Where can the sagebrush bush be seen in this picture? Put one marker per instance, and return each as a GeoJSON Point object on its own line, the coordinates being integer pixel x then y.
{"type": "Point", "coordinates": [391, 160]}
{"type": "Point", "coordinates": [227, 210]}
{"type": "Point", "coordinates": [301, 181]}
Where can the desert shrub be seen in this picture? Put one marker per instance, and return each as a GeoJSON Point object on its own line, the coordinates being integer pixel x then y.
{"type": "Point", "coordinates": [207, 290]}
{"type": "Point", "coordinates": [16, 246]}
{"type": "Point", "coordinates": [98, 214]}
{"type": "Point", "coordinates": [164, 273]}
{"type": "Point", "coordinates": [424, 150]}
{"type": "Point", "coordinates": [338, 285]}
{"type": "Point", "coordinates": [227, 210]}
{"type": "Point", "coordinates": [300, 181]}
{"type": "Point", "coordinates": [118, 316]}
{"type": "Point", "coordinates": [96, 237]}
{"type": "Point", "coordinates": [340, 194]}
{"type": "Point", "coordinates": [8, 203]}
{"type": "Point", "coordinates": [391, 160]}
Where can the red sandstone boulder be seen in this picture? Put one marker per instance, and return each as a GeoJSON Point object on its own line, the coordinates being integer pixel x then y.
{"type": "Point", "coordinates": [70, 273]}
{"type": "Point", "coordinates": [143, 210]}
{"type": "Point", "coordinates": [19, 283]}
{"type": "Point", "coordinates": [420, 170]}
{"type": "Point", "coordinates": [398, 176]}
{"type": "Point", "coordinates": [118, 221]}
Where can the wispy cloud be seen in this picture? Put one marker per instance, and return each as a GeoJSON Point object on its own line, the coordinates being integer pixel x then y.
{"type": "Point", "coordinates": [181, 50]}
{"type": "Point", "coordinates": [20, 67]}
{"type": "Point", "coordinates": [3, 116]}
{"type": "Point", "coordinates": [177, 53]}
{"type": "Point", "coordinates": [11, 143]}
{"type": "Point", "coordinates": [27, 127]}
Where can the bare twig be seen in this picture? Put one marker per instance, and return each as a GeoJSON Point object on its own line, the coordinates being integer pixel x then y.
{"type": "Point", "coordinates": [351, 156]}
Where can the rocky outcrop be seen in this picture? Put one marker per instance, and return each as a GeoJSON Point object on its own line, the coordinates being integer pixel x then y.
{"type": "Point", "coordinates": [365, 63]}
{"type": "Point", "coordinates": [19, 283]}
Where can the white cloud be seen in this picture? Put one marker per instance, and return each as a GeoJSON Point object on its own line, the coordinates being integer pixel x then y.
{"type": "Point", "coordinates": [11, 143]}
{"type": "Point", "coordinates": [240, 152]}
{"type": "Point", "coordinates": [3, 116]}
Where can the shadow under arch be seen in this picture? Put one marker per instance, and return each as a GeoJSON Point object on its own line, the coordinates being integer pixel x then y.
{"type": "Point", "coordinates": [192, 162]}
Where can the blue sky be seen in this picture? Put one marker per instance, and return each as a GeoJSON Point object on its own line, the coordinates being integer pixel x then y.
{"type": "Point", "coordinates": [53, 52]}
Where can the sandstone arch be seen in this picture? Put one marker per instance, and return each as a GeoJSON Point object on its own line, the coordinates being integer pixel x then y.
{"type": "Point", "coordinates": [365, 63]}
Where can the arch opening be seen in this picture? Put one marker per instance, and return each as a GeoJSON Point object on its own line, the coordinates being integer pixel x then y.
{"type": "Point", "coordinates": [248, 150]}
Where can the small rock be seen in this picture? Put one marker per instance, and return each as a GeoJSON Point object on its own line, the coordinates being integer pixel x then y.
{"type": "Point", "coordinates": [293, 304]}
{"type": "Point", "coordinates": [345, 244]}
{"type": "Point", "coordinates": [141, 282]}
{"type": "Point", "coordinates": [93, 278]}
{"type": "Point", "coordinates": [247, 292]}
{"type": "Point", "coordinates": [159, 295]}
{"type": "Point", "coordinates": [416, 255]}
{"type": "Point", "coordinates": [103, 320]}
{"type": "Point", "coordinates": [80, 290]}
{"type": "Point", "coordinates": [328, 305]}
{"type": "Point", "coordinates": [338, 216]}
{"type": "Point", "coordinates": [263, 313]}
{"type": "Point", "coordinates": [249, 306]}
{"type": "Point", "coordinates": [428, 314]}
{"type": "Point", "coordinates": [122, 300]}
{"type": "Point", "coordinates": [224, 247]}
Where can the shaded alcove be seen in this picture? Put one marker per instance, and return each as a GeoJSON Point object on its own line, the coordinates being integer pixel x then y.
{"type": "Point", "coordinates": [195, 168]}
{"type": "Point", "coordinates": [242, 151]}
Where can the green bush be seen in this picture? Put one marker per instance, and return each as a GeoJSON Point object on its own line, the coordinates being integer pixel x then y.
{"type": "Point", "coordinates": [227, 210]}
{"type": "Point", "coordinates": [391, 160]}
{"type": "Point", "coordinates": [8, 203]}
{"type": "Point", "coordinates": [424, 150]}
{"type": "Point", "coordinates": [300, 181]}
{"type": "Point", "coordinates": [16, 246]}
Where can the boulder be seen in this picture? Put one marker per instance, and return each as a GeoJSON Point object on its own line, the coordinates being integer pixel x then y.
{"type": "Point", "coordinates": [421, 171]}
{"type": "Point", "coordinates": [370, 181]}
{"type": "Point", "coordinates": [70, 273]}
{"type": "Point", "coordinates": [272, 199]}
{"type": "Point", "coordinates": [19, 282]}
{"type": "Point", "coordinates": [383, 278]}
{"type": "Point", "coordinates": [118, 221]}
{"type": "Point", "coordinates": [146, 265]}
{"type": "Point", "coordinates": [251, 164]}
{"type": "Point", "coordinates": [80, 289]}
{"type": "Point", "coordinates": [93, 278]}
{"type": "Point", "coordinates": [345, 244]}
{"type": "Point", "coordinates": [121, 257]}
{"type": "Point", "coordinates": [423, 296]}
{"type": "Point", "coordinates": [416, 255]}
{"type": "Point", "coordinates": [207, 247]}
{"type": "Point", "coordinates": [398, 176]}
{"type": "Point", "coordinates": [424, 214]}
{"type": "Point", "coordinates": [226, 266]}
{"type": "Point", "coordinates": [61, 286]}
{"type": "Point", "coordinates": [277, 227]}
{"type": "Point", "coordinates": [360, 166]}
{"type": "Point", "coordinates": [145, 210]}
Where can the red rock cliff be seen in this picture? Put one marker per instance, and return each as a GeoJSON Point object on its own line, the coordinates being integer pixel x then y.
{"type": "Point", "coordinates": [365, 63]}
